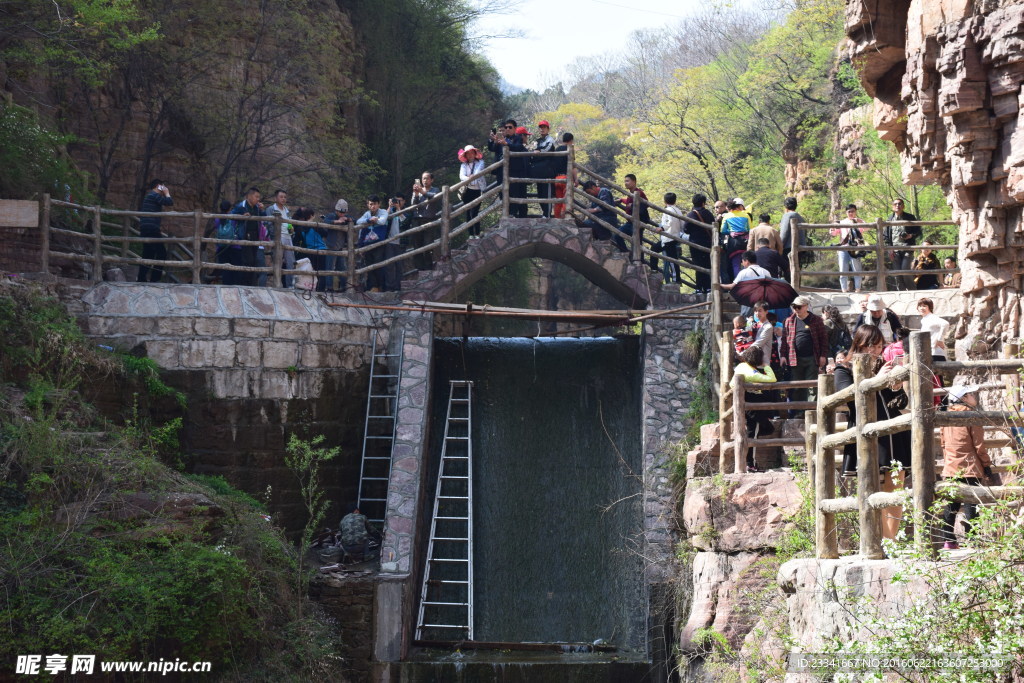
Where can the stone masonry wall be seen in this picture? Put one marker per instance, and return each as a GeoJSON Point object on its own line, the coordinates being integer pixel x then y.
{"type": "Point", "coordinates": [257, 365]}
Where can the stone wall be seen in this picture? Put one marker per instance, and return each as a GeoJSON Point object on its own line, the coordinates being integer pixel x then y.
{"type": "Point", "coordinates": [256, 365]}
{"type": "Point", "coordinates": [349, 599]}
{"type": "Point", "coordinates": [946, 80]}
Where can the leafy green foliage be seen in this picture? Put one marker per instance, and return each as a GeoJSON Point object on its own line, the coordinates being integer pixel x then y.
{"type": "Point", "coordinates": [86, 566]}
{"type": "Point", "coordinates": [148, 371]}
{"type": "Point", "coordinates": [32, 158]}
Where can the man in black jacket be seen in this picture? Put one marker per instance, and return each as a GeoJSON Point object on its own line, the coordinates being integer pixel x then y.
{"type": "Point", "coordinates": [499, 141]}
{"type": "Point", "coordinates": [250, 206]}
{"type": "Point", "coordinates": [769, 259]}
{"type": "Point", "coordinates": [700, 236]}
{"type": "Point", "coordinates": [149, 226]}
{"type": "Point", "coordinates": [900, 236]}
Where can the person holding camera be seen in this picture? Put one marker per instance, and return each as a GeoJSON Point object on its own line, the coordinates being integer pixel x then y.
{"type": "Point", "coordinates": [427, 200]}
{"type": "Point", "coordinates": [373, 228]}
{"type": "Point", "coordinates": [149, 226]}
{"type": "Point", "coordinates": [397, 224]}
{"type": "Point", "coordinates": [508, 139]}
{"type": "Point", "coordinates": [542, 168]}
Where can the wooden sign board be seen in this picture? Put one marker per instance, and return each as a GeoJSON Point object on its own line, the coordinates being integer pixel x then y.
{"type": "Point", "coordinates": [17, 213]}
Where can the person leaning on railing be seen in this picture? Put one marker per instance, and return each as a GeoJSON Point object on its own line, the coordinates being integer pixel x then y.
{"type": "Point", "coordinates": [755, 370]}
{"type": "Point", "coordinates": [893, 449]}
{"type": "Point", "coordinates": [952, 280]}
{"type": "Point", "coordinates": [149, 226]}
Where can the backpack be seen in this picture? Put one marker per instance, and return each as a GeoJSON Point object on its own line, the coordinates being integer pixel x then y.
{"type": "Point", "coordinates": [225, 229]}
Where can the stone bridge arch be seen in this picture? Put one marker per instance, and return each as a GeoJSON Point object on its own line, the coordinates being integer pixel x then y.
{"type": "Point", "coordinates": [599, 261]}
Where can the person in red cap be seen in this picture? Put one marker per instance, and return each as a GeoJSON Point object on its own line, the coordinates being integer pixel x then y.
{"type": "Point", "coordinates": [508, 138]}
{"type": "Point", "coordinates": [542, 168]}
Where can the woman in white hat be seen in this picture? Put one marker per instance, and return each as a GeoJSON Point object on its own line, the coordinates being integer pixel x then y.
{"type": "Point", "coordinates": [472, 163]}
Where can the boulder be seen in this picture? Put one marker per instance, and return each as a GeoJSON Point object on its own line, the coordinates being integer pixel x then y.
{"type": "Point", "coordinates": [740, 512]}
{"type": "Point", "coordinates": [722, 587]}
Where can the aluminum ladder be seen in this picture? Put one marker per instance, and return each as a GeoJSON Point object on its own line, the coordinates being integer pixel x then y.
{"type": "Point", "coordinates": [379, 431]}
{"type": "Point", "coordinates": [446, 599]}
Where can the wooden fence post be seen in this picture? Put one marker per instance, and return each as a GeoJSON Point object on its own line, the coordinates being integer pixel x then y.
{"type": "Point", "coordinates": [739, 422]}
{"type": "Point", "coordinates": [637, 245]}
{"type": "Point", "coordinates": [880, 256]}
{"type": "Point", "coordinates": [505, 185]}
{"type": "Point", "coordinates": [570, 176]}
{"type": "Point", "coordinates": [197, 247]}
{"type": "Point", "coordinates": [922, 441]}
{"type": "Point", "coordinates": [446, 221]}
{"type": "Point", "coordinates": [44, 236]}
{"type": "Point", "coordinates": [97, 244]}
{"type": "Point", "coordinates": [126, 230]}
{"type": "Point", "coordinates": [351, 238]}
{"type": "Point", "coordinates": [724, 341]}
{"type": "Point", "coordinates": [277, 256]}
{"type": "Point", "coordinates": [826, 542]}
{"type": "Point", "coordinates": [867, 461]}
{"type": "Point", "coordinates": [794, 254]}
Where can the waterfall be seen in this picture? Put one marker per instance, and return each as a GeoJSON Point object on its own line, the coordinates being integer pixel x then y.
{"type": "Point", "coordinates": [557, 486]}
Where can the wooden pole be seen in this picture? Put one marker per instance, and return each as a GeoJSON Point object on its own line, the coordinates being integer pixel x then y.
{"type": "Point", "coordinates": [724, 399]}
{"type": "Point", "coordinates": [570, 178]}
{"type": "Point", "coordinates": [277, 256]}
{"type": "Point", "coordinates": [794, 254]}
{"type": "Point", "coordinates": [446, 221]}
{"type": "Point", "coordinates": [505, 185]}
{"type": "Point", "coordinates": [637, 245]}
{"type": "Point", "coordinates": [351, 237]}
{"type": "Point", "coordinates": [922, 441]}
{"type": "Point", "coordinates": [880, 256]}
{"type": "Point", "coordinates": [97, 244]}
{"type": "Point", "coordinates": [44, 245]}
{"type": "Point", "coordinates": [126, 230]}
{"type": "Point", "coordinates": [810, 440]}
{"type": "Point", "coordinates": [197, 247]}
{"type": "Point", "coordinates": [867, 461]}
{"type": "Point", "coordinates": [826, 540]}
{"type": "Point", "coordinates": [739, 423]}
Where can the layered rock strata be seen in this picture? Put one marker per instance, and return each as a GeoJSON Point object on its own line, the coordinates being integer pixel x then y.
{"type": "Point", "coordinates": [946, 80]}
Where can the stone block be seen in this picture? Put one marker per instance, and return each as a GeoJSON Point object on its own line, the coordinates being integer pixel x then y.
{"type": "Point", "coordinates": [280, 354]}
{"type": "Point", "coordinates": [723, 587]}
{"type": "Point", "coordinates": [140, 326]}
{"type": "Point", "coordinates": [174, 326]}
{"type": "Point", "coordinates": [233, 383]}
{"type": "Point", "coordinates": [275, 385]}
{"type": "Point", "coordinates": [287, 329]}
{"type": "Point", "coordinates": [252, 327]}
{"type": "Point", "coordinates": [163, 353]}
{"type": "Point", "coordinates": [747, 512]}
{"type": "Point", "coordinates": [322, 332]}
{"type": "Point", "coordinates": [247, 353]}
{"type": "Point", "coordinates": [212, 327]}
{"type": "Point", "coordinates": [208, 353]}
{"type": "Point", "coordinates": [321, 356]}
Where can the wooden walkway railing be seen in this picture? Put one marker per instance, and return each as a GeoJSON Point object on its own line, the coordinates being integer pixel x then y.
{"type": "Point", "coordinates": [880, 272]}
{"type": "Point", "coordinates": [103, 237]}
{"type": "Point", "coordinates": [922, 420]}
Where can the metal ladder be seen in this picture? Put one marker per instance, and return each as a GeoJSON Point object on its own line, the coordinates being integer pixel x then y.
{"type": "Point", "coordinates": [379, 431]}
{"type": "Point", "coordinates": [446, 600]}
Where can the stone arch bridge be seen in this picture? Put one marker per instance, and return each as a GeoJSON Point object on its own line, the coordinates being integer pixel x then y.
{"type": "Point", "coordinates": [599, 261]}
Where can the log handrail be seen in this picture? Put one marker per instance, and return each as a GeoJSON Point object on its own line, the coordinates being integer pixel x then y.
{"type": "Point", "coordinates": [922, 420]}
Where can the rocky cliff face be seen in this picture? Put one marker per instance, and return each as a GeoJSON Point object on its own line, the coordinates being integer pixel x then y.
{"type": "Point", "coordinates": [946, 80]}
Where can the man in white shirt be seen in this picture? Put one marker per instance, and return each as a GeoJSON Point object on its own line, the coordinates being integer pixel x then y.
{"type": "Point", "coordinates": [749, 271]}
{"type": "Point", "coordinates": [671, 226]}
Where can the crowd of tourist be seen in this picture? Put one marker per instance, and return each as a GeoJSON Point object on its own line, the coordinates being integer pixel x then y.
{"type": "Point", "coordinates": [386, 221]}
{"type": "Point", "coordinates": [803, 345]}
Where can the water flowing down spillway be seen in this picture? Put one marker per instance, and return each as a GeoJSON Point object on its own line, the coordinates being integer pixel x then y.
{"type": "Point", "coordinates": [557, 486]}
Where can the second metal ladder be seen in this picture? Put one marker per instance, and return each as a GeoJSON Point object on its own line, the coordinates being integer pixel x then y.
{"type": "Point", "coordinates": [379, 431]}
{"type": "Point", "coordinates": [446, 599]}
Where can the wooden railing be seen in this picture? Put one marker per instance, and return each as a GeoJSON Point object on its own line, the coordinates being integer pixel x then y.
{"type": "Point", "coordinates": [922, 419]}
{"type": "Point", "coordinates": [879, 248]}
{"type": "Point", "coordinates": [733, 409]}
{"type": "Point", "coordinates": [103, 237]}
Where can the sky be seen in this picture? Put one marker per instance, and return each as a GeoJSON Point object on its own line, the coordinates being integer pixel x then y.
{"type": "Point", "coordinates": [556, 32]}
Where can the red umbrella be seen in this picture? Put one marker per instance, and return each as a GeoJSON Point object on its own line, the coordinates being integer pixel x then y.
{"type": "Point", "coordinates": [778, 293]}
